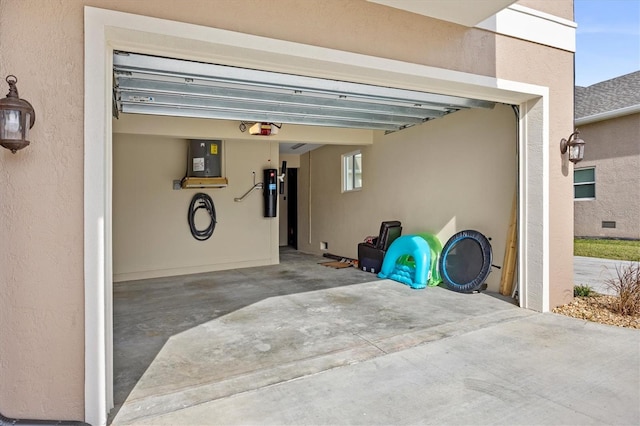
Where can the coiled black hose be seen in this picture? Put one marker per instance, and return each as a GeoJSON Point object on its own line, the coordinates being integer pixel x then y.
{"type": "Point", "coordinates": [202, 201]}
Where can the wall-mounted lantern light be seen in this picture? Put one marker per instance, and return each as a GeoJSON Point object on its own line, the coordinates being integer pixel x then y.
{"type": "Point", "coordinates": [16, 118]}
{"type": "Point", "coordinates": [575, 145]}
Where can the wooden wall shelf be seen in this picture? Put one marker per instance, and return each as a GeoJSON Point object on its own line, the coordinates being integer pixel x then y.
{"type": "Point", "coordinates": [201, 182]}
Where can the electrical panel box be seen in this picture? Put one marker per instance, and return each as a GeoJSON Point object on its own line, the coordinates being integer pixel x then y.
{"type": "Point", "coordinates": [204, 158]}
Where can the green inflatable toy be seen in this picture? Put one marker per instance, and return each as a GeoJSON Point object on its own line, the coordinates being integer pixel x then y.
{"type": "Point", "coordinates": [436, 248]}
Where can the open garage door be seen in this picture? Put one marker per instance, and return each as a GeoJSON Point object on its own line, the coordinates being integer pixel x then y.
{"type": "Point", "coordinates": [161, 86]}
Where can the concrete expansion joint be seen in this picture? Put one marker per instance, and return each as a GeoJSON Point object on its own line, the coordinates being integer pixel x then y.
{"type": "Point", "coordinates": [423, 336]}
{"type": "Point", "coordinates": [371, 343]}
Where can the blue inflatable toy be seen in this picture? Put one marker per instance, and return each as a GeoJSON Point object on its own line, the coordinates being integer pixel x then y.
{"type": "Point", "coordinates": [435, 247]}
{"type": "Point", "coordinates": [419, 250]}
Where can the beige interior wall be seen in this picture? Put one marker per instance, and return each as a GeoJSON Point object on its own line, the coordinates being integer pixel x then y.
{"type": "Point", "coordinates": [41, 258]}
{"type": "Point", "coordinates": [151, 236]}
{"type": "Point", "coordinates": [444, 176]}
{"type": "Point", "coordinates": [293, 160]}
{"type": "Point", "coordinates": [613, 148]}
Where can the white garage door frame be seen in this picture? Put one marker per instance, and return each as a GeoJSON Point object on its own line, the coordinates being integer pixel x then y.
{"type": "Point", "coordinates": [106, 31]}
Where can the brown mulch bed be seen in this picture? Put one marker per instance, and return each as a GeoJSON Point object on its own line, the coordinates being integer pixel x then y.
{"type": "Point", "coordinates": [598, 309]}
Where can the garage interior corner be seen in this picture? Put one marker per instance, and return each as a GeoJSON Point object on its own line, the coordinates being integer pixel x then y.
{"type": "Point", "coordinates": [183, 341]}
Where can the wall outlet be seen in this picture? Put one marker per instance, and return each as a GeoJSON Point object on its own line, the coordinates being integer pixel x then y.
{"type": "Point", "coordinates": [324, 245]}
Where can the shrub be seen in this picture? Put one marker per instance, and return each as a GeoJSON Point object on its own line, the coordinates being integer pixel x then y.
{"type": "Point", "coordinates": [627, 287]}
{"type": "Point", "coordinates": [582, 291]}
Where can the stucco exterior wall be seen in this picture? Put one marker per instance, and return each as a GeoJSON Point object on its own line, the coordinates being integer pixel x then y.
{"type": "Point", "coordinates": [428, 177]}
{"type": "Point", "coordinates": [613, 148]}
{"type": "Point", "coordinates": [41, 226]}
{"type": "Point", "coordinates": [520, 61]}
{"type": "Point", "coordinates": [562, 9]}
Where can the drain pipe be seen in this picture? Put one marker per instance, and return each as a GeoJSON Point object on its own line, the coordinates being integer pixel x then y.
{"type": "Point", "coordinates": [5, 421]}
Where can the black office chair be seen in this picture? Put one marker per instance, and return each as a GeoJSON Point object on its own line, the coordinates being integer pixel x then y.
{"type": "Point", "coordinates": [370, 255]}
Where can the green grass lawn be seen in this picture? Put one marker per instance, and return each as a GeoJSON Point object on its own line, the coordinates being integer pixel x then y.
{"type": "Point", "coordinates": [607, 249]}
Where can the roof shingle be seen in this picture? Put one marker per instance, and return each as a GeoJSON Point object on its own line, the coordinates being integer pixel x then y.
{"type": "Point", "coordinates": [609, 95]}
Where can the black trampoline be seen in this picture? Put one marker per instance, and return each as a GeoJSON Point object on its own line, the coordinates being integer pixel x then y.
{"type": "Point", "coordinates": [465, 261]}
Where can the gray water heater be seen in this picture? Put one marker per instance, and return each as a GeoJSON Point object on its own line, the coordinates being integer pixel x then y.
{"type": "Point", "coordinates": [204, 159]}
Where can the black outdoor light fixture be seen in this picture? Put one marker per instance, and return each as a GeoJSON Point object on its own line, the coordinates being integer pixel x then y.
{"type": "Point", "coordinates": [575, 145]}
{"type": "Point", "coordinates": [16, 118]}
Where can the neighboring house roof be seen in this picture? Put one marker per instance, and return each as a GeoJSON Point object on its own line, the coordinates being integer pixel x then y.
{"type": "Point", "coordinates": [608, 99]}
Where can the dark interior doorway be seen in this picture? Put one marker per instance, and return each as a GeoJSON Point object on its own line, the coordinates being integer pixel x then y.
{"type": "Point", "coordinates": [292, 208]}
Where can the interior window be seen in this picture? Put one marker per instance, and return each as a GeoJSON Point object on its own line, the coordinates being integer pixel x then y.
{"type": "Point", "coordinates": [352, 171]}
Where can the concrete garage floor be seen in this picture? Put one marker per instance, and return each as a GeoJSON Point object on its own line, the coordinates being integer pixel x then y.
{"type": "Point", "coordinates": [300, 343]}
{"type": "Point", "coordinates": [174, 333]}
{"type": "Point", "coordinates": [181, 341]}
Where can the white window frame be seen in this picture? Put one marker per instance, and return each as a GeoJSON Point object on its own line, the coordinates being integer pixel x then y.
{"type": "Point", "coordinates": [584, 183]}
{"type": "Point", "coordinates": [348, 176]}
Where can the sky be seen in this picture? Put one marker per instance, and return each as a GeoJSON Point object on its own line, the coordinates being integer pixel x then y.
{"type": "Point", "coordinates": [607, 39]}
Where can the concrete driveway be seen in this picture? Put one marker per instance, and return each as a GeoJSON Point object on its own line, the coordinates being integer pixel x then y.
{"type": "Point", "coordinates": [595, 272]}
{"type": "Point", "coordinates": [378, 352]}
{"type": "Point", "coordinates": [537, 369]}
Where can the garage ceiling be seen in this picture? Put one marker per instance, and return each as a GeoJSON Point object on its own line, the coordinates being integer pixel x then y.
{"type": "Point", "coordinates": [173, 87]}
